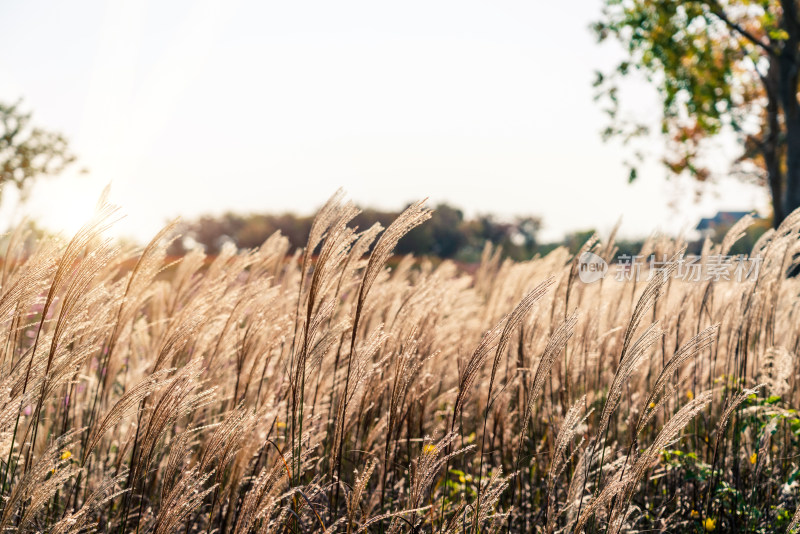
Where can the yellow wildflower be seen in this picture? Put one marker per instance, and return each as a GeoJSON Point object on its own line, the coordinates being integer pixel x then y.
{"type": "Point", "coordinates": [710, 524]}
{"type": "Point", "coordinates": [280, 424]}
{"type": "Point", "coordinates": [651, 405]}
{"type": "Point", "coordinates": [689, 395]}
{"type": "Point", "coordinates": [428, 449]}
{"type": "Point", "coordinates": [462, 478]}
{"type": "Point", "coordinates": [695, 514]}
{"type": "Point", "coordinates": [754, 458]}
{"type": "Point", "coordinates": [66, 455]}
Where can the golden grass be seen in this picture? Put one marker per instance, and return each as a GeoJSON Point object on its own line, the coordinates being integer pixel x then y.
{"type": "Point", "coordinates": [277, 391]}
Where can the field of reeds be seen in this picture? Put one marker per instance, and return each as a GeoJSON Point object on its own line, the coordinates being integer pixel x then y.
{"type": "Point", "coordinates": [340, 389]}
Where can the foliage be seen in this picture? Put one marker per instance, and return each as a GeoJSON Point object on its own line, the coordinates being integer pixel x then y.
{"type": "Point", "coordinates": [719, 66]}
{"type": "Point", "coordinates": [28, 152]}
{"type": "Point", "coordinates": [447, 235]}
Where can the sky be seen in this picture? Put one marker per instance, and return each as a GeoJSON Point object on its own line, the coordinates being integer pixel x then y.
{"type": "Point", "coordinates": [190, 108]}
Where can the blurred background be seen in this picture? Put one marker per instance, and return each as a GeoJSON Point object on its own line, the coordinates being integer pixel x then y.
{"type": "Point", "coordinates": [528, 124]}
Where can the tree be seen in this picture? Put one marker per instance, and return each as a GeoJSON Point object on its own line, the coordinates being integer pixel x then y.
{"type": "Point", "coordinates": [575, 240]}
{"type": "Point", "coordinates": [28, 152]}
{"type": "Point", "coordinates": [443, 235]}
{"type": "Point", "coordinates": [448, 234]}
{"type": "Point", "coordinates": [719, 66]}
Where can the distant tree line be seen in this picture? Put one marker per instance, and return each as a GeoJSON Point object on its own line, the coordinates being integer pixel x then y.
{"type": "Point", "coordinates": [449, 234]}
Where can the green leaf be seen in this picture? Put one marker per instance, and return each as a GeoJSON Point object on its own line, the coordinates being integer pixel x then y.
{"type": "Point", "coordinates": [778, 34]}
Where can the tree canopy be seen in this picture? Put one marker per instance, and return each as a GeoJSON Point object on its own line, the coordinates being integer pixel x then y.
{"type": "Point", "coordinates": [448, 234]}
{"type": "Point", "coordinates": [727, 65]}
{"type": "Point", "coordinates": [26, 151]}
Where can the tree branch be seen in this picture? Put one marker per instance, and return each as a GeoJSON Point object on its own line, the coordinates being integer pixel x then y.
{"type": "Point", "coordinates": [717, 11]}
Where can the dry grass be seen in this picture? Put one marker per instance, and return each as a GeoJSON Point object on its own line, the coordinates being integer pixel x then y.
{"type": "Point", "coordinates": [273, 391]}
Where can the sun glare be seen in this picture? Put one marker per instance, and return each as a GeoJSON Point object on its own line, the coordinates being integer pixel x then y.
{"type": "Point", "coordinates": [64, 205]}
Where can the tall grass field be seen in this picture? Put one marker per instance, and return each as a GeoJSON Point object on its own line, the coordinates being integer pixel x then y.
{"type": "Point", "coordinates": [339, 388]}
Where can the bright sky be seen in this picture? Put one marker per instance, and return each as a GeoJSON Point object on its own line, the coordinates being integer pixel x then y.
{"type": "Point", "coordinates": [206, 107]}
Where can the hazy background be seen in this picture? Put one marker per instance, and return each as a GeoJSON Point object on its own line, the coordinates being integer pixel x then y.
{"type": "Point", "coordinates": [206, 107]}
